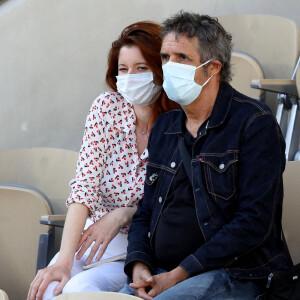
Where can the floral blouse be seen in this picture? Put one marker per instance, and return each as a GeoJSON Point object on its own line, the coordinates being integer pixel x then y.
{"type": "Point", "coordinates": [109, 173]}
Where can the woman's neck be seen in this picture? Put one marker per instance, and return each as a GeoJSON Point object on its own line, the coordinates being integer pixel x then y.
{"type": "Point", "coordinates": [143, 117]}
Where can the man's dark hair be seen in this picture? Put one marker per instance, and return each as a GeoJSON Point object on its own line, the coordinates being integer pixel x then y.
{"type": "Point", "coordinates": [214, 41]}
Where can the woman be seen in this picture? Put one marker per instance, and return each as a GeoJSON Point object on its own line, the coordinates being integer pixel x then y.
{"type": "Point", "coordinates": [111, 168]}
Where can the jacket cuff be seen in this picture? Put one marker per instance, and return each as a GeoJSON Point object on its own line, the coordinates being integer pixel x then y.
{"type": "Point", "coordinates": [192, 266]}
{"type": "Point", "coordinates": [135, 257]}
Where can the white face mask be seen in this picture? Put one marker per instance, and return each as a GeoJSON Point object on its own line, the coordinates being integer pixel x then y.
{"type": "Point", "coordinates": [138, 89]}
{"type": "Point", "coordinates": [179, 83]}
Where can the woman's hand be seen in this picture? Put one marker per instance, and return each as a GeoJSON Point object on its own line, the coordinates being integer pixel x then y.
{"type": "Point", "coordinates": [45, 276]}
{"type": "Point", "coordinates": [61, 270]}
{"type": "Point", "coordinates": [103, 231]}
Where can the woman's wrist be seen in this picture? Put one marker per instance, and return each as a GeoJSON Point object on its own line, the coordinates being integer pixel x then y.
{"type": "Point", "coordinates": [124, 215]}
{"type": "Point", "coordinates": [65, 261]}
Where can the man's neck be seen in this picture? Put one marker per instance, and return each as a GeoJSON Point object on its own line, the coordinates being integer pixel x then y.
{"type": "Point", "coordinates": [199, 110]}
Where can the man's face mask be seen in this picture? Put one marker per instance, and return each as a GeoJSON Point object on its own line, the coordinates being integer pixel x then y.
{"type": "Point", "coordinates": [179, 82]}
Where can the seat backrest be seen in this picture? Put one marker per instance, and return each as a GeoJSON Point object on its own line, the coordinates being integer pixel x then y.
{"type": "Point", "coordinates": [3, 295]}
{"type": "Point", "coordinates": [96, 296]}
{"type": "Point", "coordinates": [274, 41]}
{"type": "Point", "coordinates": [246, 68]}
{"type": "Point", "coordinates": [20, 211]}
{"type": "Point", "coordinates": [291, 208]}
{"type": "Point", "coordinates": [46, 169]}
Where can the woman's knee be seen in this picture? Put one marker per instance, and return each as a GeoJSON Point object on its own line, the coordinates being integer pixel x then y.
{"type": "Point", "coordinates": [74, 285]}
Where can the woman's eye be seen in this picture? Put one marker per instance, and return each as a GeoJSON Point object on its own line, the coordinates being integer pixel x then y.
{"type": "Point", "coordinates": [143, 68]}
{"type": "Point", "coordinates": [122, 70]}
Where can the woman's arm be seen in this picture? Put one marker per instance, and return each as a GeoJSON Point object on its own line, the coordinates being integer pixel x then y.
{"type": "Point", "coordinates": [61, 270]}
{"type": "Point", "coordinates": [75, 220]}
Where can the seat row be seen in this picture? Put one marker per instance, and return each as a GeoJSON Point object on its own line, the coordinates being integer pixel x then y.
{"type": "Point", "coordinates": [27, 245]}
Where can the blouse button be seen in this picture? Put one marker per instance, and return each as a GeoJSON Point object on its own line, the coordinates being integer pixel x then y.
{"type": "Point", "coordinates": [160, 199]}
{"type": "Point", "coordinates": [173, 164]}
{"type": "Point", "coordinates": [149, 234]}
{"type": "Point", "coordinates": [221, 166]}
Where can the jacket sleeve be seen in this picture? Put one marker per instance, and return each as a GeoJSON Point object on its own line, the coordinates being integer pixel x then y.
{"type": "Point", "coordinates": [139, 248]}
{"type": "Point", "coordinates": [259, 187]}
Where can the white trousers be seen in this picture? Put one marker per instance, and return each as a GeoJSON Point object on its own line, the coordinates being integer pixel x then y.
{"type": "Point", "coordinates": [106, 277]}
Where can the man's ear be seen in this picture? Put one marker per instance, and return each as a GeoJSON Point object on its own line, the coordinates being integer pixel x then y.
{"type": "Point", "coordinates": [214, 67]}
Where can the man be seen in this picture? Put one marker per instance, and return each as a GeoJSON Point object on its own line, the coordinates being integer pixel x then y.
{"type": "Point", "coordinates": [209, 224]}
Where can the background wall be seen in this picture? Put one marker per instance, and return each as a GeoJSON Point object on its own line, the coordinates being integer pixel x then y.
{"type": "Point", "coordinates": [53, 58]}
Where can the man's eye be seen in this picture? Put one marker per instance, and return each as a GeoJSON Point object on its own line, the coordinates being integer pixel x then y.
{"type": "Point", "coordinates": [164, 58]}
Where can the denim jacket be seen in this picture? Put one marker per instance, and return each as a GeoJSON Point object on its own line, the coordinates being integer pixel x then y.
{"type": "Point", "coordinates": [237, 165]}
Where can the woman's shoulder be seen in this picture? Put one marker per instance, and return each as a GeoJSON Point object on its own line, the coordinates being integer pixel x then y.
{"type": "Point", "coordinates": [111, 106]}
{"type": "Point", "coordinates": [109, 101]}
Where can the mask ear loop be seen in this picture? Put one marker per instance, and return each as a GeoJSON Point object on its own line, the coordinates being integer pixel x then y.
{"type": "Point", "coordinates": [207, 80]}
{"type": "Point", "coordinates": [210, 76]}
{"type": "Point", "coordinates": [204, 64]}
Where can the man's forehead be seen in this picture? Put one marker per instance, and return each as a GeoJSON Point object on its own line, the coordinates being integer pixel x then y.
{"type": "Point", "coordinates": [179, 37]}
{"type": "Point", "coordinates": [179, 41]}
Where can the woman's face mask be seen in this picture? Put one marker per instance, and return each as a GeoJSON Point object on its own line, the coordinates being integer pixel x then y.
{"type": "Point", "coordinates": [138, 89]}
{"type": "Point", "coordinates": [179, 83]}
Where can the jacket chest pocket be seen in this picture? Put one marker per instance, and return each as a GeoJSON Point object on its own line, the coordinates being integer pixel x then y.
{"type": "Point", "coordinates": [220, 174]}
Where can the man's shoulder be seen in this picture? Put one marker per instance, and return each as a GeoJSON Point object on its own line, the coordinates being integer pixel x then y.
{"type": "Point", "coordinates": [167, 117]}
{"type": "Point", "coordinates": [248, 104]}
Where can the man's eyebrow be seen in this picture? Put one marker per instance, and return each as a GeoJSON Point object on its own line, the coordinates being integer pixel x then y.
{"type": "Point", "coordinates": [181, 54]}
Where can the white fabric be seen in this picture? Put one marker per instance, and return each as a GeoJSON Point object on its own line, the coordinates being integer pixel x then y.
{"type": "Point", "coordinates": [106, 277]}
{"type": "Point", "coordinates": [138, 89]}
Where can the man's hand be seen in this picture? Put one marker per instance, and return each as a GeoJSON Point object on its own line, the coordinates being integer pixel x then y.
{"type": "Point", "coordinates": [142, 280]}
{"type": "Point", "coordinates": [45, 276]}
{"type": "Point", "coordinates": [164, 281]}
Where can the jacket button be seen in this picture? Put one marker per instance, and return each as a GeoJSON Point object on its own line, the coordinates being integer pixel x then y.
{"type": "Point", "coordinates": [160, 199]}
{"type": "Point", "coordinates": [173, 164]}
{"type": "Point", "coordinates": [149, 234]}
{"type": "Point", "coordinates": [221, 166]}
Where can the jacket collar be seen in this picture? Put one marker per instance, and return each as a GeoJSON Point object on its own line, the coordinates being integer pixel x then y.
{"type": "Point", "coordinates": [218, 114]}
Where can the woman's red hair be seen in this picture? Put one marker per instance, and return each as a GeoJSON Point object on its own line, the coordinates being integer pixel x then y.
{"type": "Point", "coordinates": [146, 35]}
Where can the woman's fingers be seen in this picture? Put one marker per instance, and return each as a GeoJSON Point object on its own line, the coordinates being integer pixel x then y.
{"type": "Point", "coordinates": [93, 252]}
{"type": "Point", "coordinates": [60, 286]}
{"type": "Point", "coordinates": [84, 237]}
{"type": "Point", "coordinates": [34, 287]}
{"type": "Point", "coordinates": [102, 250]}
